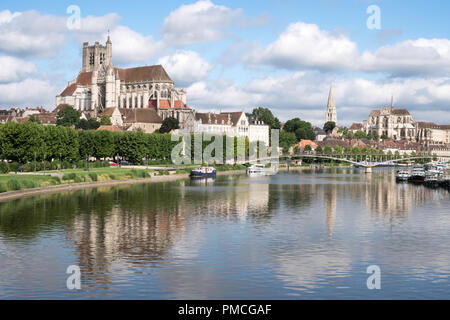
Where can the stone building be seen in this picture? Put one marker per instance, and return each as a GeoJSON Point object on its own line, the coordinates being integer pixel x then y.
{"type": "Point", "coordinates": [433, 134]}
{"type": "Point", "coordinates": [146, 120]}
{"type": "Point", "coordinates": [233, 124]}
{"type": "Point", "coordinates": [331, 115]}
{"type": "Point", "coordinates": [396, 124]}
{"type": "Point", "coordinates": [100, 86]}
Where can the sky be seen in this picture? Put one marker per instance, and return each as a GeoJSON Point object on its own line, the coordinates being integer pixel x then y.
{"type": "Point", "coordinates": [238, 55]}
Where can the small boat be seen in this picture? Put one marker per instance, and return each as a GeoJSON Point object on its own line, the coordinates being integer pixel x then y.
{"type": "Point", "coordinates": [417, 175]}
{"type": "Point", "coordinates": [402, 176]}
{"type": "Point", "coordinates": [256, 169]}
{"type": "Point", "coordinates": [205, 172]}
{"type": "Point", "coordinates": [432, 178]}
{"type": "Point", "coordinates": [261, 170]}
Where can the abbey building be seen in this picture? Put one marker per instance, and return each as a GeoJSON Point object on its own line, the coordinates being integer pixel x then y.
{"type": "Point", "coordinates": [100, 86]}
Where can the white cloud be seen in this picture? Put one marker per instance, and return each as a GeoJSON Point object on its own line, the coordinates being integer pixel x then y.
{"type": "Point", "coordinates": [411, 57]}
{"type": "Point", "coordinates": [33, 34]}
{"type": "Point", "coordinates": [199, 22]}
{"type": "Point", "coordinates": [306, 46]}
{"type": "Point", "coordinates": [13, 69]}
{"type": "Point", "coordinates": [6, 16]}
{"type": "Point", "coordinates": [304, 95]}
{"type": "Point", "coordinates": [130, 46]}
{"type": "Point", "coordinates": [26, 93]}
{"type": "Point", "coordinates": [185, 67]}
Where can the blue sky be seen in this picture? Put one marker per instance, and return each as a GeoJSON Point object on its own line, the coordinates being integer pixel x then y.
{"type": "Point", "coordinates": [234, 55]}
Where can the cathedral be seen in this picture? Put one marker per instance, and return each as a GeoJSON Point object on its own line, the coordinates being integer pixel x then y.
{"type": "Point", "coordinates": [101, 86]}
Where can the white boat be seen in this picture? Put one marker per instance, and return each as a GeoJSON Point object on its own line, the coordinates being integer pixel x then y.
{"type": "Point", "coordinates": [402, 175]}
{"type": "Point", "coordinates": [257, 169]}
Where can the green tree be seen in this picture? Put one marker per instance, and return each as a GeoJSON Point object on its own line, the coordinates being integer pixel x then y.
{"type": "Point", "coordinates": [68, 117]}
{"type": "Point", "coordinates": [103, 144]}
{"type": "Point", "coordinates": [360, 135]}
{"type": "Point", "coordinates": [33, 118]}
{"type": "Point", "coordinates": [105, 120]}
{"type": "Point", "coordinates": [287, 140]}
{"type": "Point", "coordinates": [265, 115]}
{"type": "Point", "coordinates": [61, 142]}
{"type": "Point", "coordinates": [169, 124]}
{"type": "Point", "coordinates": [90, 124]}
{"type": "Point", "coordinates": [302, 129]}
{"type": "Point", "coordinates": [329, 126]}
{"type": "Point", "coordinates": [21, 141]}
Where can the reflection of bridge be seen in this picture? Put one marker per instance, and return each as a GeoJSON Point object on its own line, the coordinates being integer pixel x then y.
{"type": "Point", "coordinates": [367, 161]}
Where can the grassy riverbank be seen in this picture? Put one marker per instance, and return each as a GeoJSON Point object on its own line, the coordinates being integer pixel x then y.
{"type": "Point", "coordinates": [16, 182]}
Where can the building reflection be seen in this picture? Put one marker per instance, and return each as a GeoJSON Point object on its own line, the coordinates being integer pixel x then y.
{"type": "Point", "coordinates": [330, 199]}
{"type": "Point", "coordinates": [143, 234]}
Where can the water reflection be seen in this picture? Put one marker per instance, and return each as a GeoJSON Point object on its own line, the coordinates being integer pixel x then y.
{"type": "Point", "coordinates": [288, 235]}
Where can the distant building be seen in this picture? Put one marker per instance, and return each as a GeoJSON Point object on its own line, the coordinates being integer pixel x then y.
{"type": "Point", "coordinates": [396, 124]}
{"type": "Point", "coordinates": [234, 124]}
{"type": "Point", "coordinates": [320, 133]}
{"type": "Point", "coordinates": [146, 120]}
{"type": "Point", "coordinates": [331, 114]}
{"type": "Point", "coordinates": [433, 134]}
{"type": "Point", "coordinates": [355, 127]}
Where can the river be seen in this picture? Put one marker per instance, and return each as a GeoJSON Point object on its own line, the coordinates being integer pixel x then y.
{"type": "Point", "coordinates": [298, 235]}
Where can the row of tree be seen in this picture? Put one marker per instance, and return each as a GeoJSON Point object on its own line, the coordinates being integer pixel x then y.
{"type": "Point", "coordinates": [30, 141]}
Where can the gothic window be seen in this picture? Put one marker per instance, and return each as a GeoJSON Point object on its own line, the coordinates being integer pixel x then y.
{"type": "Point", "coordinates": [91, 59]}
{"type": "Point", "coordinates": [102, 58]}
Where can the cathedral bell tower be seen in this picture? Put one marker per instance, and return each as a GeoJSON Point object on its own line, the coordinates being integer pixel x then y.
{"type": "Point", "coordinates": [96, 56]}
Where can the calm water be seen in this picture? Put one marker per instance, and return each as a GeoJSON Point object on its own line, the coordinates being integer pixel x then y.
{"type": "Point", "coordinates": [308, 235]}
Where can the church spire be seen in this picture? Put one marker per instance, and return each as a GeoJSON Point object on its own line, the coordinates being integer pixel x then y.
{"type": "Point", "coordinates": [331, 108]}
{"type": "Point", "coordinates": [331, 103]}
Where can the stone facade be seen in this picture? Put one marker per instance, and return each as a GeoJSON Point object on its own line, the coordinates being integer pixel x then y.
{"type": "Point", "coordinates": [100, 86]}
{"type": "Point", "coordinates": [432, 133]}
{"type": "Point", "coordinates": [233, 124]}
{"type": "Point", "coordinates": [396, 124]}
{"type": "Point", "coordinates": [331, 115]}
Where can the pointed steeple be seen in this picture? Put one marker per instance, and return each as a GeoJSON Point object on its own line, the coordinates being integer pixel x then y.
{"type": "Point", "coordinates": [331, 108]}
{"type": "Point", "coordinates": [331, 103]}
{"type": "Point", "coordinates": [392, 102]}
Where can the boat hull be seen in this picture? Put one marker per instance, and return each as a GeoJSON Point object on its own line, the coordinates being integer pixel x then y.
{"type": "Point", "coordinates": [202, 175]}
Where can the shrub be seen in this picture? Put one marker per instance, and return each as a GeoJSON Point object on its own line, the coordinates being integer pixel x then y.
{"type": "Point", "coordinates": [112, 176]}
{"type": "Point", "coordinates": [28, 184]}
{"type": "Point", "coordinates": [93, 176]}
{"type": "Point", "coordinates": [57, 180]}
{"type": "Point", "coordinates": [78, 179]}
{"type": "Point", "coordinates": [2, 188]}
{"type": "Point", "coordinates": [4, 168]}
{"type": "Point", "coordinates": [69, 176]}
{"type": "Point", "coordinates": [13, 184]}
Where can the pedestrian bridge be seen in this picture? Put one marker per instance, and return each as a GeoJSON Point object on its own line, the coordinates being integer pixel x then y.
{"type": "Point", "coordinates": [362, 160]}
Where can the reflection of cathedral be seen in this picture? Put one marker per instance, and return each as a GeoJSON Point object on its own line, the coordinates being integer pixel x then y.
{"type": "Point", "coordinates": [100, 86]}
{"type": "Point", "coordinates": [330, 195]}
